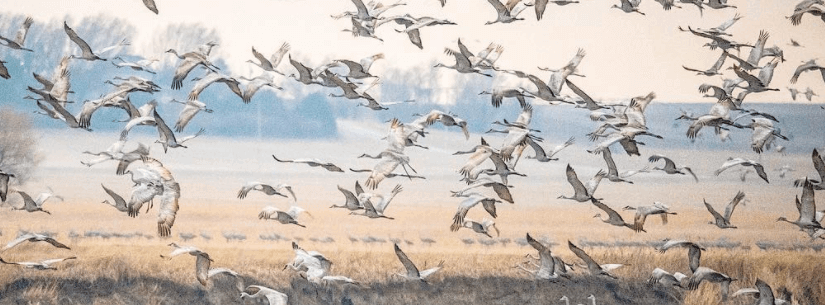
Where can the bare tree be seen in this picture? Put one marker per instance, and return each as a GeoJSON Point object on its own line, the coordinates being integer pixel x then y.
{"type": "Point", "coordinates": [19, 154]}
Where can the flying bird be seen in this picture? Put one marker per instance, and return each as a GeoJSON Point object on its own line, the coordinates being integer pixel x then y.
{"type": "Point", "coordinates": [721, 221]}
{"type": "Point", "coordinates": [20, 38]}
{"type": "Point", "coordinates": [312, 163]}
{"type": "Point", "coordinates": [34, 237]}
{"type": "Point", "coordinates": [760, 170]}
{"type": "Point", "coordinates": [412, 272]}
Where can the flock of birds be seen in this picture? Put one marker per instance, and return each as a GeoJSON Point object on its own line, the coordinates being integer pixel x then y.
{"type": "Point", "coordinates": [619, 122]}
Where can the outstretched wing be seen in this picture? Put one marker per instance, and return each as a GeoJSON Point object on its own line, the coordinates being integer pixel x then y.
{"type": "Point", "coordinates": [412, 271]}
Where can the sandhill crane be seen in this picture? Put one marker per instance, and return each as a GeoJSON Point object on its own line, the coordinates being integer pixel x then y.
{"type": "Point", "coordinates": [542, 91]}
{"type": "Point", "coordinates": [34, 237]}
{"type": "Point", "coordinates": [722, 28]}
{"type": "Point", "coordinates": [239, 283]}
{"type": "Point", "coordinates": [547, 263]}
{"type": "Point", "coordinates": [274, 60]}
{"type": "Point", "coordinates": [485, 59]}
{"type": "Point", "coordinates": [764, 294]}
{"type": "Point", "coordinates": [412, 272]}
{"type": "Point", "coordinates": [694, 251]}
{"type": "Point", "coordinates": [670, 166]}
{"type": "Point", "coordinates": [447, 119]}
{"type": "Point", "coordinates": [614, 218]}
{"type": "Point", "coordinates": [719, 4]}
{"type": "Point", "coordinates": [304, 75]}
{"type": "Point", "coordinates": [482, 227]}
{"type": "Point", "coordinates": [592, 266]}
{"type": "Point", "coordinates": [266, 189]}
{"type": "Point", "coordinates": [819, 166]}
{"type": "Point", "coordinates": [4, 185]}
{"type": "Point", "coordinates": [612, 172]}
{"type": "Point", "coordinates": [377, 209]}
{"type": "Point", "coordinates": [166, 137]}
{"type": "Point", "coordinates": [472, 200]}
{"type": "Point", "coordinates": [143, 193]}
{"type": "Point", "coordinates": [731, 162]}
{"type": "Point", "coordinates": [210, 78]}
{"type": "Point", "coordinates": [583, 192]}
{"type": "Point", "coordinates": [389, 161]}
{"type": "Point", "coordinates": [813, 7]}
{"type": "Point", "coordinates": [35, 205]}
{"type": "Point", "coordinates": [312, 163]}
{"type": "Point", "coordinates": [807, 66]}
{"type": "Point", "coordinates": [720, 221]}
{"type": "Point", "coordinates": [498, 95]}
{"type": "Point", "coordinates": [479, 154]}
{"type": "Point", "coordinates": [390, 175]}
{"type": "Point", "coordinates": [273, 297]}
{"type": "Point", "coordinates": [84, 47]}
{"type": "Point", "coordinates": [543, 156]}
{"type": "Point", "coordinates": [119, 204]}
{"type": "Point", "coordinates": [626, 137]}
{"type": "Point", "coordinates": [809, 93]}
{"type": "Point", "coordinates": [506, 13]}
{"type": "Point", "coordinates": [360, 29]}
{"type": "Point", "coordinates": [668, 4]}
{"type": "Point", "coordinates": [202, 262]}
{"type": "Point", "coordinates": [191, 108]}
{"type": "Point", "coordinates": [305, 260]}
{"type": "Point", "coordinates": [367, 12]}
{"type": "Point", "coordinates": [664, 278]}
{"type": "Point", "coordinates": [706, 274]}
{"type": "Point", "coordinates": [351, 202]}
{"type": "Point", "coordinates": [713, 70]}
{"type": "Point", "coordinates": [4, 72]}
{"type": "Point", "coordinates": [502, 190]}
{"type": "Point", "coordinates": [807, 220]}
{"type": "Point", "coordinates": [350, 92]}
{"type": "Point", "coordinates": [42, 265]}
{"type": "Point", "coordinates": [462, 63]}
{"type": "Point", "coordinates": [587, 101]}
{"type": "Point", "coordinates": [418, 23]}
{"type": "Point", "coordinates": [20, 37]}
{"type": "Point", "coordinates": [629, 6]}
{"type": "Point", "coordinates": [189, 61]}
{"type": "Point", "coordinates": [716, 40]}
{"type": "Point", "coordinates": [168, 208]}
{"type": "Point", "coordinates": [254, 84]}
{"type": "Point", "coordinates": [642, 212]}
{"type": "Point", "coordinates": [132, 65]}
{"type": "Point", "coordinates": [288, 217]}
{"type": "Point", "coordinates": [763, 134]}
{"type": "Point", "coordinates": [559, 76]}
{"type": "Point", "coordinates": [67, 117]}
{"type": "Point", "coordinates": [755, 84]}
{"type": "Point", "coordinates": [150, 4]}
{"type": "Point", "coordinates": [359, 70]}
{"type": "Point", "coordinates": [501, 169]}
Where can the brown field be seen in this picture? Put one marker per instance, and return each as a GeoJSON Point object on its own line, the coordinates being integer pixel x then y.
{"type": "Point", "coordinates": [118, 257]}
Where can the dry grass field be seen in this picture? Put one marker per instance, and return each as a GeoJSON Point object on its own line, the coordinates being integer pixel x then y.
{"type": "Point", "coordinates": [118, 257]}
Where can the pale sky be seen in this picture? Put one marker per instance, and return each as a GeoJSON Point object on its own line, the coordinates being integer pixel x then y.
{"type": "Point", "coordinates": [627, 54]}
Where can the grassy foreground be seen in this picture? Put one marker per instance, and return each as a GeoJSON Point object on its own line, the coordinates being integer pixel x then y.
{"type": "Point", "coordinates": [110, 273]}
